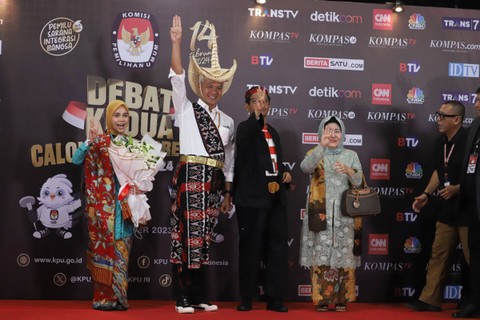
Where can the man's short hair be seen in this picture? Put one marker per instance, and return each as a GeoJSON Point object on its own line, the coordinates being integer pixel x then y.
{"type": "Point", "coordinates": [458, 107]}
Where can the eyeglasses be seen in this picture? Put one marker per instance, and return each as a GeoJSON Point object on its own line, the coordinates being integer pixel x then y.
{"type": "Point", "coordinates": [441, 116]}
{"type": "Point", "coordinates": [335, 132]}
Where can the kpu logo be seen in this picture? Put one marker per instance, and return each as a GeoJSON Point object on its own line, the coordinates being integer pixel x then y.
{"type": "Point", "coordinates": [135, 40]}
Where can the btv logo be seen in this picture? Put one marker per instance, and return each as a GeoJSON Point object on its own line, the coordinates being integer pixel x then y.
{"type": "Point", "coordinates": [464, 70]}
{"type": "Point", "coordinates": [407, 216]}
{"type": "Point", "coordinates": [409, 67]}
{"type": "Point", "coordinates": [403, 142]}
{"type": "Point", "coordinates": [262, 60]}
{"type": "Point", "coordinates": [404, 292]}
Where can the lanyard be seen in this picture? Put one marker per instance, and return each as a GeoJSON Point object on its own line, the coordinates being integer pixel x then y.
{"type": "Point", "coordinates": [446, 158]}
{"type": "Point", "coordinates": [476, 146]}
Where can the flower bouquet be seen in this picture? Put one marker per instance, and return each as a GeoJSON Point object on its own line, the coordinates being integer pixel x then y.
{"type": "Point", "coordinates": [135, 164]}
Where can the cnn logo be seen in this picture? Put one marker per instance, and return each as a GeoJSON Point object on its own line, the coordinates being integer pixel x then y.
{"type": "Point", "coordinates": [380, 169]}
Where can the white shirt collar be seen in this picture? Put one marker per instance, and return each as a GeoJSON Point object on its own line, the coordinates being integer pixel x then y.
{"type": "Point", "coordinates": [206, 107]}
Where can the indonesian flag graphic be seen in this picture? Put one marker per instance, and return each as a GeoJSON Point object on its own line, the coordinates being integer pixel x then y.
{"type": "Point", "coordinates": [75, 114]}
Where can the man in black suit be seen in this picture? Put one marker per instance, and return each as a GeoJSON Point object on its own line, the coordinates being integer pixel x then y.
{"type": "Point", "coordinates": [469, 202]}
{"type": "Point", "coordinates": [259, 186]}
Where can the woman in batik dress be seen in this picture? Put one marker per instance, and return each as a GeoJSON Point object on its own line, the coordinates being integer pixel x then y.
{"type": "Point", "coordinates": [109, 234]}
{"type": "Point", "coordinates": [329, 243]}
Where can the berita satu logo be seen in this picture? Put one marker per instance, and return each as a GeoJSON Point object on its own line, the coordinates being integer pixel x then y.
{"type": "Point", "coordinates": [135, 40]}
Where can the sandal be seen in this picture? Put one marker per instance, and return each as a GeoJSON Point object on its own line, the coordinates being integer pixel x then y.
{"type": "Point", "coordinates": [322, 307]}
{"type": "Point", "coordinates": [340, 307]}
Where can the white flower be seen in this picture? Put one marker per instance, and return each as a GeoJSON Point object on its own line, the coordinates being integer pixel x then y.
{"type": "Point", "coordinates": [142, 149]}
{"type": "Point", "coordinates": [136, 163]}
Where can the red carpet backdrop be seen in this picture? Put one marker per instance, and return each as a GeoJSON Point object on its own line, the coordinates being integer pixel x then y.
{"type": "Point", "coordinates": [384, 74]}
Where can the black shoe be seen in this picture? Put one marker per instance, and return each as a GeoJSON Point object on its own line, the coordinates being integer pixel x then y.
{"type": "Point", "coordinates": [277, 306]}
{"type": "Point", "coordinates": [105, 308]}
{"type": "Point", "coordinates": [419, 305]}
{"type": "Point", "coordinates": [120, 307]}
{"type": "Point", "coordinates": [245, 305]}
{"type": "Point", "coordinates": [470, 311]}
{"type": "Point", "coordinates": [183, 305]}
{"type": "Point", "coordinates": [117, 307]}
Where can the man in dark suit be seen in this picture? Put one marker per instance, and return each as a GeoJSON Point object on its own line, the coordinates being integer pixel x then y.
{"type": "Point", "coordinates": [259, 186]}
{"type": "Point", "coordinates": [469, 202]}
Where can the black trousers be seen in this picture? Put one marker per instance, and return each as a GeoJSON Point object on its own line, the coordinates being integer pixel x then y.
{"type": "Point", "coordinates": [190, 283]}
{"type": "Point", "coordinates": [474, 275]}
{"type": "Point", "coordinates": [263, 237]}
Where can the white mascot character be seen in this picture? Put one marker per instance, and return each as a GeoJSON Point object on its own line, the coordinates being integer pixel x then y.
{"type": "Point", "coordinates": [57, 208]}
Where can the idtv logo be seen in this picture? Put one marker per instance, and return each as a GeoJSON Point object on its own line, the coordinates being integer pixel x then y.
{"type": "Point", "coordinates": [464, 70]}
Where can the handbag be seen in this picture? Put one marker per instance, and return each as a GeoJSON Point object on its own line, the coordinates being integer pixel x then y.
{"type": "Point", "coordinates": [360, 201]}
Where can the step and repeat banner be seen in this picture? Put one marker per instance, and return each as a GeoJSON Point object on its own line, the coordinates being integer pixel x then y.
{"type": "Point", "coordinates": [384, 74]}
